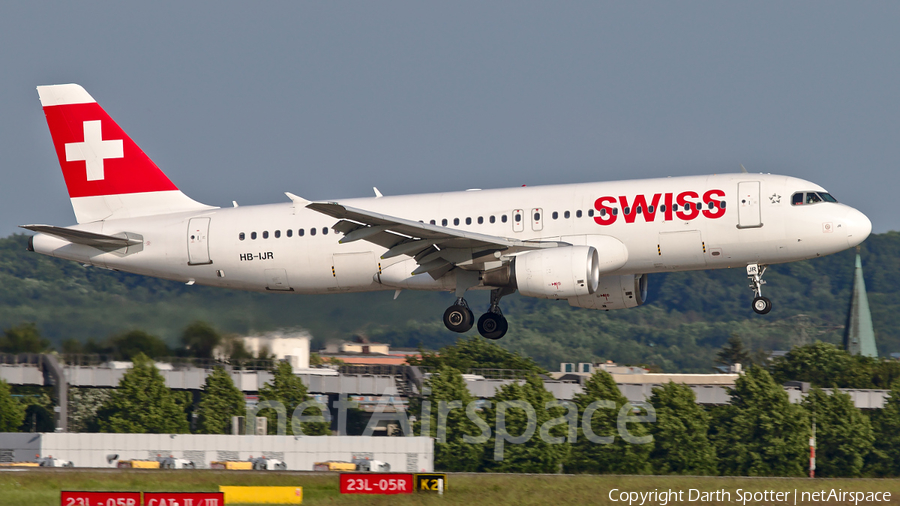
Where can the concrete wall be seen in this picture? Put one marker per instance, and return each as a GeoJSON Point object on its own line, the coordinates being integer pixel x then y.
{"type": "Point", "coordinates": [412, 454]}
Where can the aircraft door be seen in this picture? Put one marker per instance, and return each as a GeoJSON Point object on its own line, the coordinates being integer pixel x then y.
{"type": "Point", "coordinates": [198, 241]}
{"type": "Point", "coordinates": [518, 220]}
{"type": "Point", "coordinates": [748, 205]}
{"type": "Point", "coordinates": [682, 250]}
{"type": "Point", "coordinates": [277, 280]}
{"type": "Point", "coordinates": [354, 270]}
{"type": "Point", "coordinates": [537, 219]}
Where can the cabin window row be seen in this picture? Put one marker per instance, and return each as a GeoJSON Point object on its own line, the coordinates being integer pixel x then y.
{"type": "Point", "coordinates": [675, 207]}
{"type": "Point", "coordinates": [277, 234]}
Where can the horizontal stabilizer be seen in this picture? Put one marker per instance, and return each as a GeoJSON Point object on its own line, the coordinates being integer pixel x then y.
{"type": "Point", "coordinates": [87, 238]}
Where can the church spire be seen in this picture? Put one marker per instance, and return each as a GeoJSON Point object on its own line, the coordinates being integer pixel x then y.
{"type": "Point", "coordinates": [859, 334]}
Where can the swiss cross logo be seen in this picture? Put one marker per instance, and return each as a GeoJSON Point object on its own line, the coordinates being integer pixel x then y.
{"type": "Point", "coordinates": [93, 150]}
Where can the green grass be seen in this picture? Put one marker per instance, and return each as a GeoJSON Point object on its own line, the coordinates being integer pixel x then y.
{"type": "Point", "coordinates": [41, 487]}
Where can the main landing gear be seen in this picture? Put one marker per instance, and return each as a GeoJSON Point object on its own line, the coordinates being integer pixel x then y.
{"type": "Point", "coordinates": [492, 325]}
{"type": "Point", "coordinates": [761, 304]}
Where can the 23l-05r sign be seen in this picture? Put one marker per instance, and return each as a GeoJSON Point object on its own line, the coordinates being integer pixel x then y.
{"type": "Point", "coordinates": [376, 483]}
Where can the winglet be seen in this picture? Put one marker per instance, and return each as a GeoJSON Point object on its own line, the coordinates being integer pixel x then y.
{"type": "Point", "coordinates": [298, 201]}
{"type": "Point", "coordinates": [743, 170]}
{"type": "Point", "coordinates": [378, 194]}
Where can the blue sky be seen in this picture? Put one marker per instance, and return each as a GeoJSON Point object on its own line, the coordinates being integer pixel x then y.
{"type": "Point", "coordinates": [244, 101]}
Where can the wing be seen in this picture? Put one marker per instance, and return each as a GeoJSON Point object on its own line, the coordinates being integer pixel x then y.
{"type": "Point", "coordinates": [436, 249]}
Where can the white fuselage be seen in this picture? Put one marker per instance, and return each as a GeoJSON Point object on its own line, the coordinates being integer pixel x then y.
{"type": "Point", "coordinates": [295, 249]}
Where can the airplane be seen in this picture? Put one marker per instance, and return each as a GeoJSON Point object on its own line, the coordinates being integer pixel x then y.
{"type": "Point", "coordinates": [591, 244]}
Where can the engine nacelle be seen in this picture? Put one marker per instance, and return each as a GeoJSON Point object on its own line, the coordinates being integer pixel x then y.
{"type": "Point", "coordinates": [615, 292]}
{"type": "Point", "coordinates": [558, 273]}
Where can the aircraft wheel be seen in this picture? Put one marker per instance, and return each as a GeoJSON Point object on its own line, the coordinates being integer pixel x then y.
{"type": "Point", "coordinates": [762, 305]}
{"type": "Point", "coordinates": [492, 326]}
{"type": "Point", "coordinates": [458, 318]}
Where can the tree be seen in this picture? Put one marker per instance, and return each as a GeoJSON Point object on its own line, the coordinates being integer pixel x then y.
{"type": "Point", "coordinates": [617, 456]}
{"type": "Point", "coordinates": [12, 413]}
{"type": "Point", "coordinates": [733, 353]}
{"type": "Point", "coordinates": [23, 338]}
{"type": "Point", "coordinates": [142, 404]}
{"type": "Point", "coordinates": [536, 454]}
{"type": "Point", "coordinates": [760, 433]}
{"type": "Point", "coordinates": [289, 390]}
{"type": "Point", "coordinates": [219, 401]}
{"type": "Point", "coordinates": [824, 365]}
{"type": "Point", "coordinates": [473, 353]}
{"type": "Point", "coordinates": [84, 403]}
{"type": "Point", "coordinates": [200, 339]}
{"type": "Point", "coordinates": [885, 457]}
{"type": "Point", "coordinates": [843, 434]}
{"type": "Point", "coordinates": [451, 452]}
{"type": "Point", "coordinates": [128, 345]}
{"type": "Point", "coordinates": [680, 443]}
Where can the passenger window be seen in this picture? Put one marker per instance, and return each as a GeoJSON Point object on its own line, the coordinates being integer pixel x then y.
{"type": "Point", "coordinates": [650, 209]}
{"type": "Point", "coordinates": [503, 218]}
{"type": "Point", "coordinates": [627, 210]}
{"type": "Point", "coordinates": [555, 215]}
{"type": "Point", "coordinates": [537, 216]}
{"type": "Point", "coordinates": [578, 213]}
{"type": "Point", "coordinates": [290, 232]}
{"type": "Point", "coordinates": [640, 209]}
{"type": "Point", "coordinates": [492, 219]}
{"type": "Point", "coordinates": [456, 221]}
{"type": "Point", "coordinates": [711, 205]}
{"type": "Point", "coordinates": [265, 234]}
{"type": "Point", "coordinates": [324, 230]}
{"type": "Point", "coordinates": [674, 207]}
{"type": "Point", "coordinates": [277, 234]}
{"type": "Point", "coordinates": [480, 220]}
{"type": "Point", "coordinates": [253, 235]}
{"type": "Point", "coordinates": [590, 212]}
{"type": "Point", "coordinates": [603, 212]}
{"type": "Point", "coordinates": [518, 217]}
{"type": "Point", "coordinates": [722, 204]}
{"type": "Point", "coordinates": [300, 232]}
{"type": "Point", "coordinates": [616, 211]}
{"type": "Point", "coordinates": [444, 222]}
{"type": "Point", "coordinates": [662, 208]}
{"type": "Point", "coordinates": [432, 222]}
{"type": "Point", "coordinates": [468, 221]}
{"type": "Point", "coordinates": [312, 231]}
{"type": "Point", "coordinates": [566, 215]}
{"type": "Point", "coordinates": [241, 236]}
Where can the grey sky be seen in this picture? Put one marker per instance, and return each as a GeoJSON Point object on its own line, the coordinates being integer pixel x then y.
{"type": "Point", "coordinates": [243, 101]}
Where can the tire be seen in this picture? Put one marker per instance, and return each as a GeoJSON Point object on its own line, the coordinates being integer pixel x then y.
{"type": "Point", "coordinates": [458, 319]}
{"type": "Point", "coordinates": [762, 305]}
{"type": "Point", "coordinates": [492, 326]}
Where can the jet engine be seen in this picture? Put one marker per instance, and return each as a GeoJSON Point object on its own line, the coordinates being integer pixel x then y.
{"type": "Point", "coordinates": [557, 273]}
{"type": "Point", "coordinates": [615, 292]}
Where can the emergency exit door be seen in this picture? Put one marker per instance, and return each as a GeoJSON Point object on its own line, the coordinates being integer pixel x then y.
{"type": "Point", "coordinates": [198, 241]}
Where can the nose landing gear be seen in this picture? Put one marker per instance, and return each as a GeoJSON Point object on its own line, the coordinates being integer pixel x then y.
{"type": "Point", "coordinates": [761, 305]}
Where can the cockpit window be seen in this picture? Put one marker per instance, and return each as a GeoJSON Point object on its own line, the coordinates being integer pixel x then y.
{"type": "Point", "coordinates": [801, 198]}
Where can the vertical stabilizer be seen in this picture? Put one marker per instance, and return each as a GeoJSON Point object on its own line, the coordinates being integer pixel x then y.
{"type": "Point", "coordinates": [108, 176]}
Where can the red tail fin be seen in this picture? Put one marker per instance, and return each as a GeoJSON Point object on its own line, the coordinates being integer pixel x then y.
{"type": "Point", "coordinates": [108, 176]}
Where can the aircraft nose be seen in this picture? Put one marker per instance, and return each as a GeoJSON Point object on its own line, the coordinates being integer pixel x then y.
{"type": "Point", "coordinates": [857, 227]}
